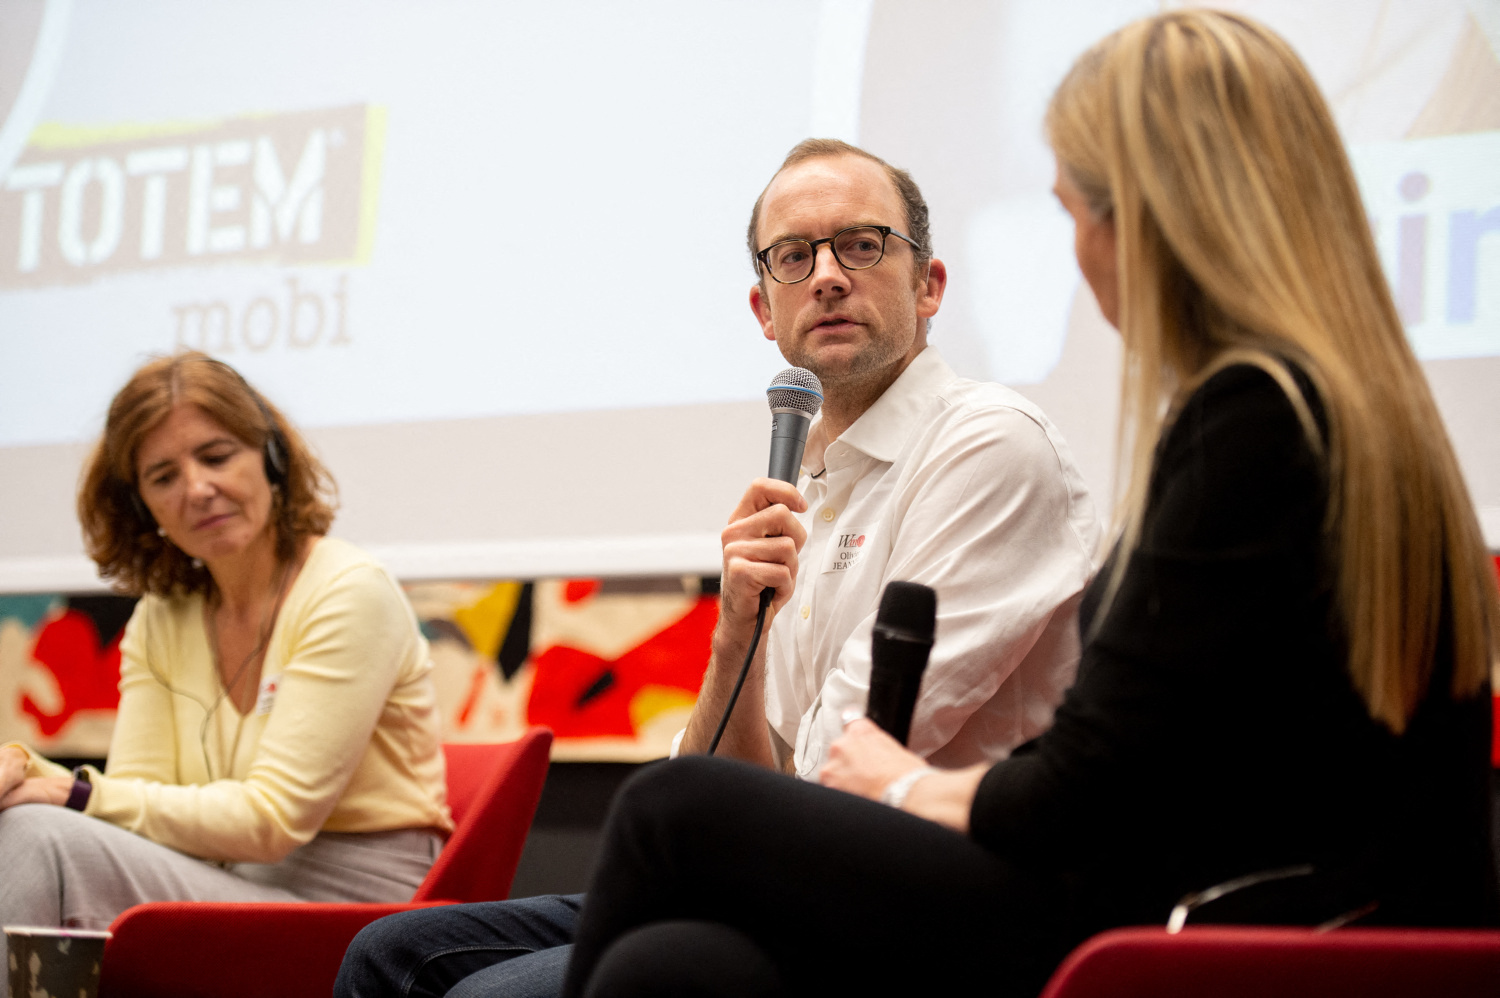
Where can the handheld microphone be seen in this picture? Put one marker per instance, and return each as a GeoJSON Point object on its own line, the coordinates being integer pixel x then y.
{"type": "Point", "coordinates": [795, 396]}
{"type": "Point", "coordinates": [899, 646]}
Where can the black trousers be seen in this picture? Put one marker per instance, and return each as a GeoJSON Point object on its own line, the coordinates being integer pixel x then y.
{"type": "Point", "coordinates": [839, 894]}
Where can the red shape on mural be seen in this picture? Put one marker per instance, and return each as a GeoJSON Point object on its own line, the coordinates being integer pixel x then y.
{"type": "Point", "coordinates": [476, 689]}
{"type": "Point", "coordinates": [578, 590]}
{"type": "Point", "coordinates": [88, 679]}
{"type": "Point", "coordinates": [571, 694]}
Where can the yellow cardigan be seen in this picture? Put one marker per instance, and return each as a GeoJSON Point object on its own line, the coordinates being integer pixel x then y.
{"type": "Point", "coordinates": [348, 742]}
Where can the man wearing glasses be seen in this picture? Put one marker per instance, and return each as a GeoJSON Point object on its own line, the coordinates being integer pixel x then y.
{"type": "Point", "coordinates": [910, 473]}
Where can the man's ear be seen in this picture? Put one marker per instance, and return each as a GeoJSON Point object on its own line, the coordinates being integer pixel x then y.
{"type": "Point", "coordinates": [761, 306]}
{"type": "Point", "coordinates": [930, 288]}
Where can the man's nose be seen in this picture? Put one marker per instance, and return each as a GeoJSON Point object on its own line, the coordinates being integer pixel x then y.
{"type": "Point", "coordinates": [828, 276]}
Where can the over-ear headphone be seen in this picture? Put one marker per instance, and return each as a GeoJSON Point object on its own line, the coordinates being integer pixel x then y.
{"type": "Point", "coordinates": [275, 446]}
{"type": "Point", "coordinates": [139, 505]}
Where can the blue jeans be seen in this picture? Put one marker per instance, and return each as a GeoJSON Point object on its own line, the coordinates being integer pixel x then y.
{"type": "Point", "coordinates": [494, 948]}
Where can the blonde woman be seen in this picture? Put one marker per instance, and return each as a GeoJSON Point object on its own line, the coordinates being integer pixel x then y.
{"type": "Point", "coordinates": [1286, 661]}
{"type": "Point", "coordinates": [277, 735]}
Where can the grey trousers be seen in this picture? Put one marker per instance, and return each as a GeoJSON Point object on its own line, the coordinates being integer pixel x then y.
{"type": "Point", "coordinates": [60, 867]}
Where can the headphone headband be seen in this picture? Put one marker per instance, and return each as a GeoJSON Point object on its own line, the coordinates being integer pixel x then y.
{"type": "Point", "coordinates": [275, 448]}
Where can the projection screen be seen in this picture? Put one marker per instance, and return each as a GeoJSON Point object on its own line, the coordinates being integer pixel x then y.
{"type": "Point", "coordinates": [490, 256]}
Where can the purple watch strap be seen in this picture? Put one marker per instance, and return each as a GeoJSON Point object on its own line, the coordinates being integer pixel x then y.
{"type": "Point", "coordinates": [78, 797]}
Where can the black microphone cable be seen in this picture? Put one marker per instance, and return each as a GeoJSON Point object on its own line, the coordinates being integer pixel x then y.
{"type": "Point", "coordinates": [760, 622]}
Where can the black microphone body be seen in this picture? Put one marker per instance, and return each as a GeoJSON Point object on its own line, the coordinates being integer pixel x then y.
{"type": "Point", "coordinates": [899, 646]}
{"type": "Point", "coordinates": [788, 441]}
{"type": "Point", "coordinates": [794, 397]}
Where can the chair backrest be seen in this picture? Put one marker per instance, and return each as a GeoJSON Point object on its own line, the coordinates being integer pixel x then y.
{"type": "Point", "coordinates": [493, 791]}
{"type": "Point", "coordinates": [1251, 962]}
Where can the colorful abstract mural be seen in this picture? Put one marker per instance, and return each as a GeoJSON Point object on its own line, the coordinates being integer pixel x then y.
{"type": "Point", "coordinates": [612, 666]}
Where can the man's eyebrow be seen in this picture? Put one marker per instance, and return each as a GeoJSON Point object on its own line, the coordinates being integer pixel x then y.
{"type": "Point", "coordinates": [797, 235]}
{"type": "Point", "coordinates": [783, 237]}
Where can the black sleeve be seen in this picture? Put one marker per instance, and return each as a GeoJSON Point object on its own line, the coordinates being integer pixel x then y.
{"type": "Point", "coordinates": [1181, 667]}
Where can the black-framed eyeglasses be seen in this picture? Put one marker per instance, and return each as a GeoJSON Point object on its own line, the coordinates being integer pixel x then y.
{"type": "Point", "coordinates": [858, 247]}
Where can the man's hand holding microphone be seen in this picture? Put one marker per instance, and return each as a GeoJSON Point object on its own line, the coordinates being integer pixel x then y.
{"type": "Point", "coordinates": [760, 547]}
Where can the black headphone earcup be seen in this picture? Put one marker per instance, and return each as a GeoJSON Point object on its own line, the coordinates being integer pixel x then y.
{"type": "Point", "coordinates": [139, 505]}
{"type": "Point", "coordinates": [274, 450]}
{"type": "Point", "coordinates": [275, 459]}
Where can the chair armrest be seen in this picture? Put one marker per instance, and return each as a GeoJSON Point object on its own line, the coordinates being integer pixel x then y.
{"type": "Point", "coordinates": [1244, 961]}
{"type": "Point", "coordinates": [178, 949]}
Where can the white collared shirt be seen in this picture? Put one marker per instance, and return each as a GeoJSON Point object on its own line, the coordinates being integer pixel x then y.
{"type": "Point", "coordinates": [965, 487]}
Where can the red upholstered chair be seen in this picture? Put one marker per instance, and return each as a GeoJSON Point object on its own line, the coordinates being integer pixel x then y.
{"type": "Point", "coordinates": [1221, 961]}
{"type": "Point", "coordinates": [184, 949]}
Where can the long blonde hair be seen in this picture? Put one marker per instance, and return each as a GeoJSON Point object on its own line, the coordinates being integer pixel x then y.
{"type": "Point", "coordinates": [1241, 238]}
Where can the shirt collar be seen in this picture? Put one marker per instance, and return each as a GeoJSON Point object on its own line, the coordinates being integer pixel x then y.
{"type": "Point", "coordinates": [882, 430]}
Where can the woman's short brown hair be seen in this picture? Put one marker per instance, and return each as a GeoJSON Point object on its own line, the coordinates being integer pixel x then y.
{"type": "Point", "coordinates": [119, 531]}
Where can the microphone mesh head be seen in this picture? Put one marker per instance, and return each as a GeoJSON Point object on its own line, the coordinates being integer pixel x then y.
{"type": "Point", "coordinates": [910, 607]}
{"type": "Point", "coordinates": [796, 388]}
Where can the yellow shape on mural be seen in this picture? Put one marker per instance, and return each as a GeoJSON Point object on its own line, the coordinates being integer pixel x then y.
{"type": "Point", "coordinates": [654, 700]}
{"type": "Point", "coordinates": [485, 621]}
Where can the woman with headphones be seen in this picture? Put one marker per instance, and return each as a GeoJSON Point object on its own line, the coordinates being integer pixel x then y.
{"type": "Point", "coordinates": [277, 736]}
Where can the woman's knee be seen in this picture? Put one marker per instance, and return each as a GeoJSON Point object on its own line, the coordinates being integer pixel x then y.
{"type": "Point", "coordinates": [29, 829]}
{"type": "Point", "coordinates": [687, 958]}
{"type": "Point", "coordinates": [33, 839]}
{"type": "Point", "coordinates": [667, 790]}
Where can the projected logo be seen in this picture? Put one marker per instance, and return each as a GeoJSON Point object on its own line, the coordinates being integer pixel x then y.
{"type": "Point", "coordinates": [1435, 208]}
{"type": "Point", "coordinates": [1415, 91]}
{"type": "Point", "coordinates": [33, 35]}
{"type": "Point", "coordinates": [290, 188]}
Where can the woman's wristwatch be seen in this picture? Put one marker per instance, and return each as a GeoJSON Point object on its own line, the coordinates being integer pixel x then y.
{"type": "Point", "coordinates": [78, 796]}
{"type": "Point", "coordinates": [895, 793]}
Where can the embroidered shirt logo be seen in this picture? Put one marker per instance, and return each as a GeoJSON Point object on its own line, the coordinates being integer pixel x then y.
{"type": "Point", "coordinates": [846, 551]}
{"type": "Point", "coordinates": [267, 698]}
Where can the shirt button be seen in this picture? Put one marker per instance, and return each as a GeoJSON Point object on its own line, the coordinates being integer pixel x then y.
{"type": "Point", "coordinates": [805, 611]}
{"type": "Point", "coordinates": [829, 514]}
